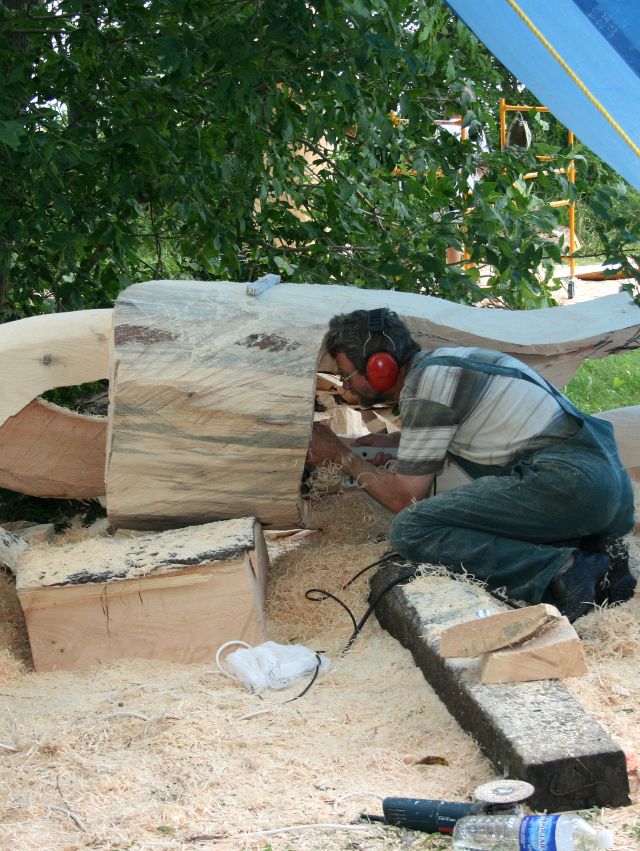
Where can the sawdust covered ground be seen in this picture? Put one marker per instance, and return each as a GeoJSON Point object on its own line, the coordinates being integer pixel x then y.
{"type": "Point", "coordinates": [150, 755]}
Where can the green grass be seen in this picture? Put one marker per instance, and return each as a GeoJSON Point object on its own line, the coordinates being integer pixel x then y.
{"type": "Point", "coordinates": [611, 382]}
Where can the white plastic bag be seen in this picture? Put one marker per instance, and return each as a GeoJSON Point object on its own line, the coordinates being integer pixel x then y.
{"type": "Point", "coordinates": [270, 665]}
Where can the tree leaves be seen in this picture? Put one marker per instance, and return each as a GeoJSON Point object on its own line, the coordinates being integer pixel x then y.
{"type": "Point", "coordinates": [10, 133]}
{"type": "Point", "coordinates": [142, 138]}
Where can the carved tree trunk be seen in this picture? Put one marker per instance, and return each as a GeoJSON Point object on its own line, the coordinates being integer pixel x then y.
{"type": "Point", "coordinates": [212, 390]}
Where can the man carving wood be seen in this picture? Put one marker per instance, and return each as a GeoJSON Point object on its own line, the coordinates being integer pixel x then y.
{"type": "Point", "coordinates": [549, 497]}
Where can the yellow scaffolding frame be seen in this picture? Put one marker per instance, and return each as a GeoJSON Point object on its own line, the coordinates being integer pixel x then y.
{"type": "Point", "coordinates": [571, 174]}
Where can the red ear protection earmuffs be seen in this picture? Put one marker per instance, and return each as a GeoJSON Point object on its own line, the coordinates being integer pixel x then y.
{"type": "Point", "coordinates": [382, 367]}
{"type": "Point", "coordinates": [382, 371]}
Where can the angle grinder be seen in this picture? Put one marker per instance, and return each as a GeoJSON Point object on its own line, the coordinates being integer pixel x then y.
{"type": "Point", "coordinates": [433, 816]}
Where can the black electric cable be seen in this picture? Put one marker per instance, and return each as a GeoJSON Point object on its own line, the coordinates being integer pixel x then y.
{"type": "Point", "coordinates": [311, 681]}
{"type": "Point", "coordinates": [328, 595]}
{"type": "Point", "coordinates": [369, 567]}
{"type": "Point", "coordinates": [405, 577]}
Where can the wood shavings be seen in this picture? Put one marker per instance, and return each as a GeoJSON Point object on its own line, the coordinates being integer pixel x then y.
{"type": "Point", "coordinates": [325, 480]}
{"type": "Point", "coordinates": [154, 754]}
{"type": "Point", "coordinates": [293, 828]}
{"type": "Point", "coordinates": [73, 816]}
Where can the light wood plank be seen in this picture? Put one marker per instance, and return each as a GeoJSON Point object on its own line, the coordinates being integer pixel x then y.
{"type": "Point", "coordinates": [484, 634]}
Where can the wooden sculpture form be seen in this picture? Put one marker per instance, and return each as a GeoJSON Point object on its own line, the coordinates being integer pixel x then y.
{"type": "Point", "coordinates": [211, 390]}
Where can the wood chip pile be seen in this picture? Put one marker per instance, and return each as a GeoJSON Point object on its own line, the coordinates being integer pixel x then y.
{"type": "Point", "coordinates": [151, 755]}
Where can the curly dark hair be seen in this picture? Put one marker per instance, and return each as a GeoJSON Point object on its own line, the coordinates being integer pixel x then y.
{"type": "Point", "coordinates": [351, 333]}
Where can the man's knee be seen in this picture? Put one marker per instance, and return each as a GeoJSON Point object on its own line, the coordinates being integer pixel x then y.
{"type": "Point", "coordinates": [411, 525]}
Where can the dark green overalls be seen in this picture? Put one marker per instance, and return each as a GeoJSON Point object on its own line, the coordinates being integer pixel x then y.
{"type": "Point", "coordinates": [504, 527]}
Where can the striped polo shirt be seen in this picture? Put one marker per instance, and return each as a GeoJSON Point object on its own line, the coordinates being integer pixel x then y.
{"type": "Point", "coordinates": [482, 418]}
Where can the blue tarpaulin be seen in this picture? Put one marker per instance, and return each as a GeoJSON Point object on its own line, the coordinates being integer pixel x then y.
{"type": "Point", "coordinates": [580, 58]}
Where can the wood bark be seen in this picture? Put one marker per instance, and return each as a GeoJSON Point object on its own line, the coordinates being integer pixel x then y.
{"type": "Point", "coordinates": [12, 548]}
{"type": "Point", "coordinates": [212, 390]}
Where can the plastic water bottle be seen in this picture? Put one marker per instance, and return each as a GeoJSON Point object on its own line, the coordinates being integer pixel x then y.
{"type": "Point", "coordinates": [529, 833]}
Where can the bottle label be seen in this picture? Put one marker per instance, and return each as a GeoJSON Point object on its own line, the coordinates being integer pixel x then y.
{"type": "Point", "coordinates": [538, 833]}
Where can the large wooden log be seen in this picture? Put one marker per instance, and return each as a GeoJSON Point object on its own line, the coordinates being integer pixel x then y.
{"type": "Point", "coordinates": [212, 390]}
{"type": "Point", "coordinates": [54, 350]}
{"type": "Point", "coordinates": [48, 451]}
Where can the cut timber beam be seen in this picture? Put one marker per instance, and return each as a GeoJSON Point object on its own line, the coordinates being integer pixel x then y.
{"type": "Point", "coordinates": [211, 397]}
{"type": "Point", "coordinates": [54, 350]}
{"type": "Point", "coordinates": [556, 653]}
{"type": "Point", "coordinates": [482, 635]}
{"type": "Point", "coordinates": [533, 731]}
{"type": "Point", "coordinates": [175, 595]}
{"type": "Point", "coordinates": [48, 451]}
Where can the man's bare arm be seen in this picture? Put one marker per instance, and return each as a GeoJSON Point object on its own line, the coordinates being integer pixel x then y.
{"type": "Point", "coordinates": [394, 490]}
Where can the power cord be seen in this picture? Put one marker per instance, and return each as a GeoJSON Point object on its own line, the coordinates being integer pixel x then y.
{"type": "Point", "coordinates": [311, 681]}
{"type": "Point", "coordinates": [317, 595]}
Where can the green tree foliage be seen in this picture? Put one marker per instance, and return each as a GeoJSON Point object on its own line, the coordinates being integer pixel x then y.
{"type": "Point", "coordinates": [228, 138]}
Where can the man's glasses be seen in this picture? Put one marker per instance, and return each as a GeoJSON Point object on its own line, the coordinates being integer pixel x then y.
{"type": "Point", "coordinates": [346, 379]}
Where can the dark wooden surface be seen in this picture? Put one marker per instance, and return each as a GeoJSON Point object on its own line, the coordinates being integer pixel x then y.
{"type": "Point", "coordinates": [533, 731]}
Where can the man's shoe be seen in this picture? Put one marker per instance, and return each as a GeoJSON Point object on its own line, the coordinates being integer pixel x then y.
{"type": "Point", "coordinates": [574, 588]}
{"type": "Point", "coordinates": [619, 583]}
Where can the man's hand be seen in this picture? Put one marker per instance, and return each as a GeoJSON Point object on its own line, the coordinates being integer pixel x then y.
{"type": "Point", "coordinates": [391, 489]}
{"type": "Point", "coordinates": [384, 441]}
{"type": "Point", "coordinates": [325, 446]}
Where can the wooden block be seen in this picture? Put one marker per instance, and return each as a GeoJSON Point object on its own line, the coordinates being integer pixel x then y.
{"type": "Point", "coordinates": [556, 653]}
{"type": "Point", "coordinates": [533, 731]}
{"type": "Point", "coordinates": [174, 595]}
{"type": "Point", "coordinates": [626, 427]}
{"type": "Point", "coordinates": [484, 634]}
